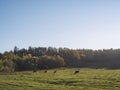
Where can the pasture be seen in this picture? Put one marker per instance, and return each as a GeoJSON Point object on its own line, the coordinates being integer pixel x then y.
{"type": "Point", "coordinates": [63, 79]}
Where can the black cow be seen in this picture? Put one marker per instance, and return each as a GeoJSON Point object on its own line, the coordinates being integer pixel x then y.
{"type": "Point", "coordinates": [54, 72]}
{"type": "Point", "coordinates": [76, 72]}
{"type": "Point", "coordinates": [45, 71]}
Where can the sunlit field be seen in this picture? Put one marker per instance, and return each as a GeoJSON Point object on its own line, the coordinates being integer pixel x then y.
{"type": "Point", "coordinates": [63, 79]}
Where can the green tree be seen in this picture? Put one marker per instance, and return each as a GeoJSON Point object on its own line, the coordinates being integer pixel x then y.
{"type": "Point", "coordinates": [1, 65]}
{"type": "Point", "coordinates": [7, 66]}
{"type": "Point", "coordinates": [15, 50]}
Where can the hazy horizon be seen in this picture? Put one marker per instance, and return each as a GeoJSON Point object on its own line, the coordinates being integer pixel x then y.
{"type": "Point", "coordinates": [77, 24]}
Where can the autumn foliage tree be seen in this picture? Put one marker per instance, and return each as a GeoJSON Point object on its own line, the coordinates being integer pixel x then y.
{"type": "Point", "coordinates": [37, 58]}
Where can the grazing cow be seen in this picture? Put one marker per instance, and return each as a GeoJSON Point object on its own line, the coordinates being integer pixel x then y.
{"type": "Point", "coordinates": [54, 72]}
{"type": "Point", "coordinates": [45, 71]}
{"type": "Point", "coordinates": [76, 72]}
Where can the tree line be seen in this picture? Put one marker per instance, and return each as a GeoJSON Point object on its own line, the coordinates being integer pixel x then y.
{"type": "Point", "coordinates": [37, 58]}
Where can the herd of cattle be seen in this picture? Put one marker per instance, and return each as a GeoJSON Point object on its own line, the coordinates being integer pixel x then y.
{"type": "Point", "coordinates": [55, 71]}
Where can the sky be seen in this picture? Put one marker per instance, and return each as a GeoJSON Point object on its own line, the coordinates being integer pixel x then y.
{"type": "Point", "coordinates": [76, 24]}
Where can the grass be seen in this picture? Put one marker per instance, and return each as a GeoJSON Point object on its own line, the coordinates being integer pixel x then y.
{"type": "Point", "coordinates": [64, 79]}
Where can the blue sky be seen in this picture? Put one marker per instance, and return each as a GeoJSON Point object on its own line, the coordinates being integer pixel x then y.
{"type": "Point", "coordinates": [91, 24]}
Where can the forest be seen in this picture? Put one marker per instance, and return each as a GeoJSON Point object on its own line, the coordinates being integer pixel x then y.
{"type": "Point", "coordinates": [39, 58]}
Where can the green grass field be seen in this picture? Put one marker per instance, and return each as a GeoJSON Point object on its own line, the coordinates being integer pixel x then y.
{"type": "Point", "coordinates": [64, 79]}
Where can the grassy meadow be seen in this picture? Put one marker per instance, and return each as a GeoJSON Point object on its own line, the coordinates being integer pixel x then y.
{"type": "Point", "coordinates": [63, 79]}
